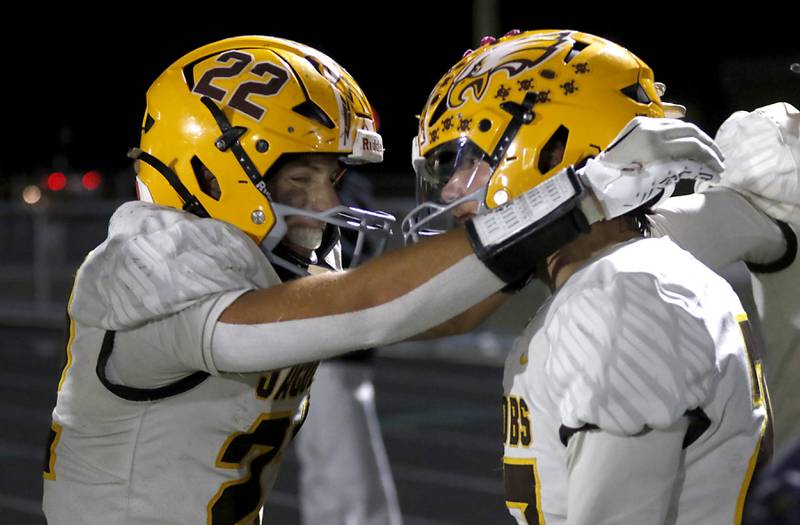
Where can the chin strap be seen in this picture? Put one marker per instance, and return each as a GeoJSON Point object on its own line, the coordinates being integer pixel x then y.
{"type": "Point", "coordinates": [288, 265]}
{"type": "Point", "coordinates": [229, 140]}
{"type": "Point", "coordinates": [190, 202]}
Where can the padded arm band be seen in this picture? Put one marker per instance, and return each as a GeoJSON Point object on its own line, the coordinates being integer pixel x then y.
{"type": "Point", "coordinates": [511, 239]}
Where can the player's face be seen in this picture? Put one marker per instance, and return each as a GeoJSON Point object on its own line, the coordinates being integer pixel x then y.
{"type": "Point", "coordinates": [468, 178]}
{"type": "Point", "coordinates": [307, 183]}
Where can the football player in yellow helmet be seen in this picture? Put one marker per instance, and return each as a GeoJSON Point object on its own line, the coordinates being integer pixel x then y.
{"type": "Point", "coordinates": [222, 121]}
{"type": "Point", "coordinates": [514, 114]}
{"type": "Point", "coordinates": [637, 377]}
{"type": "Point", "coordinates": [190, 356]}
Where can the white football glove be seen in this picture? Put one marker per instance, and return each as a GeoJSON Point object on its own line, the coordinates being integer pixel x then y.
{"type": "Point", "coordinates": [649, 156]}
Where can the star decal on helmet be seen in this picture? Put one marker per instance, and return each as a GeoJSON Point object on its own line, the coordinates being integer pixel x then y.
{"type": "Point", "coordinates": [526, 84]}
{"type": "Point", "coordinates": [581, 68]}
{"type": "Point", "coordinates": [542, 97]}
{"type": "Point", "coordinates": [502, 92]}
{"type": "Point", "coordinates": [447, 123]}
{"type": "Point", "coordinates": [569, 87]}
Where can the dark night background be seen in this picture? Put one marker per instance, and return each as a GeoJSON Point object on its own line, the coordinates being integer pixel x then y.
{"type": "Point", "coordinates": [81, 94]}
{"type": "Point", "coordinates": [73, 90]}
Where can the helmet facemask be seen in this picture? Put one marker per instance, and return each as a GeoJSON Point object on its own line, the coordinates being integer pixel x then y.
{"type": "Point", "coordinates": [449, 180]}
{"type": "Point", "coordinates": [365, 222]}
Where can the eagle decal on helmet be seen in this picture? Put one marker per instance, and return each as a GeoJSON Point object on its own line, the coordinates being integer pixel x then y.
{"type": "Point", "coordinates": [517, 57]}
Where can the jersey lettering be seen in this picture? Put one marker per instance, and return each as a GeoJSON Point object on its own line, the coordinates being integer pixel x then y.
{"type": "Point", "coordinates": [516, 422]}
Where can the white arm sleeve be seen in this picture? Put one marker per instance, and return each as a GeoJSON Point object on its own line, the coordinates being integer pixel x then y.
{"type": "Point", "coordinates": [251, 348]}
{"type": "Point", "coordinates": [719, 227]}
{"type": "Point", "coordinates": [163, 351]}
{"type": "Point", "coordinates": [623, 479]}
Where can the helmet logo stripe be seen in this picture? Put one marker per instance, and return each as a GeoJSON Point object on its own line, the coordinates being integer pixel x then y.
{"type": "Point", "coordinates": [513, 61]}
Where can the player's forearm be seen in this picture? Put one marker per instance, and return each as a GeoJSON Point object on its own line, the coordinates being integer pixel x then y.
{"type": "Point", "coordinates": [466, 321]}
{"type": "Point", "coordinates": [402, 293]}
{"type": "Point", "coordinates": [616, 480]}
{"type": "Point", "coordinates": [377, 282]}
{"type": "Point", "coordinates": [720, 227]}
{"type": "Point", "coordinates": [265, 346]}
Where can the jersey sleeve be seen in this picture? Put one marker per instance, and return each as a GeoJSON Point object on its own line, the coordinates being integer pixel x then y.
{"type": "Point", "coordinates": [719, 227]}
{"type": "Point", "coordinates": [762, 158]}
{"type": "Point", "coordinates": [628, 355]}
{"type": "Point", "coordinates": [163, 351]}
{"type": "Point", "coordinates": [601, 465]}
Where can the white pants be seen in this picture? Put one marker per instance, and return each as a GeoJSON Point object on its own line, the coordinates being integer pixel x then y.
{"type": "Point", "coordinates": [345, 477]}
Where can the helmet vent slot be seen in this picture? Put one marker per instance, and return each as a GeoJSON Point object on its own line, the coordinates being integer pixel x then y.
{"type": "Point", "coordinates": [552, 152]}
{"type": "Point", "coordinates": [577, 47]}
{"type": "Point", "coordinates": [441, 107]}
{"type": "Point", "coordinates": [206, 180]}
{"type": "Point", "coordinates": [309, 109]}
{"type": "Point", "coordinates": [312, 111]}
{"type": "Point", "coordinates": [148, 123]}
{"type": "Point", "coordinates": [637, 93]}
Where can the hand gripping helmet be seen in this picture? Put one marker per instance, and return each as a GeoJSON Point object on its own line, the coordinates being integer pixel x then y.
{"type": "Point", "coordinates": [219, 119]}
{"type": "Point", "coordinates": [528, 105]}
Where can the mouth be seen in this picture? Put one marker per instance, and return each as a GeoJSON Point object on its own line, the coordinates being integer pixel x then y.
{"type": "Point", "coordinates": [305, 237]}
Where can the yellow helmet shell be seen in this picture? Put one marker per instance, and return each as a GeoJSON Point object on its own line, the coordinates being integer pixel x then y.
{"type": "Point", "coordinates": [576, 86]}
{"type": "Point", "coordinates": [289, 98]}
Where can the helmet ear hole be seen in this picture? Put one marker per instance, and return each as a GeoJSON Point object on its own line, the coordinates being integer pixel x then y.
{"type": "Point", "coordinates": [552, 152]}
{"type": "Point", "coordinates": [206, 180]}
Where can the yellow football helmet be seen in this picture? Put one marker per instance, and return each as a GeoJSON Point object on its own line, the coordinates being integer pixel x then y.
{"type": "Point", "coordinates": [529, 105]}
{"type": "Point", "coordinates": [219, 119]}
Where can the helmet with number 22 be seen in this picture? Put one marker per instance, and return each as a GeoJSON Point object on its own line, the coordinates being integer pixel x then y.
{"type": "Point", "coordinates": [219, 119]}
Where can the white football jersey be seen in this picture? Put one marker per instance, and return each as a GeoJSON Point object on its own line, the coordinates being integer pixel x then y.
{"type": "Point", "coordinates": [639, 337]}
{"type": "Point", "coordinates": [146, 430]}
{"type": "Point", "coordinates": [762, 159]}
{"type": "Point", "coordinates": [762, 163]}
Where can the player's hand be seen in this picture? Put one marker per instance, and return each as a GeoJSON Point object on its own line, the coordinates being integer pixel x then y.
{"type": "Point", "coordinates": [649, 156]}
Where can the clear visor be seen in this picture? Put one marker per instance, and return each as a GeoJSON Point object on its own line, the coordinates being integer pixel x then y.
{"type": "Point", "coordinates": [451, 187]}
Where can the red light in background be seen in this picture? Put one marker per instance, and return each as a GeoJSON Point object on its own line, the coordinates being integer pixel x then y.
{"type": "Point", "coordinates": [56, 181]}
{"type": "Point", "coordinates": [91, 180]}
{"type": "Point", "coordinates": [376, 119]}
